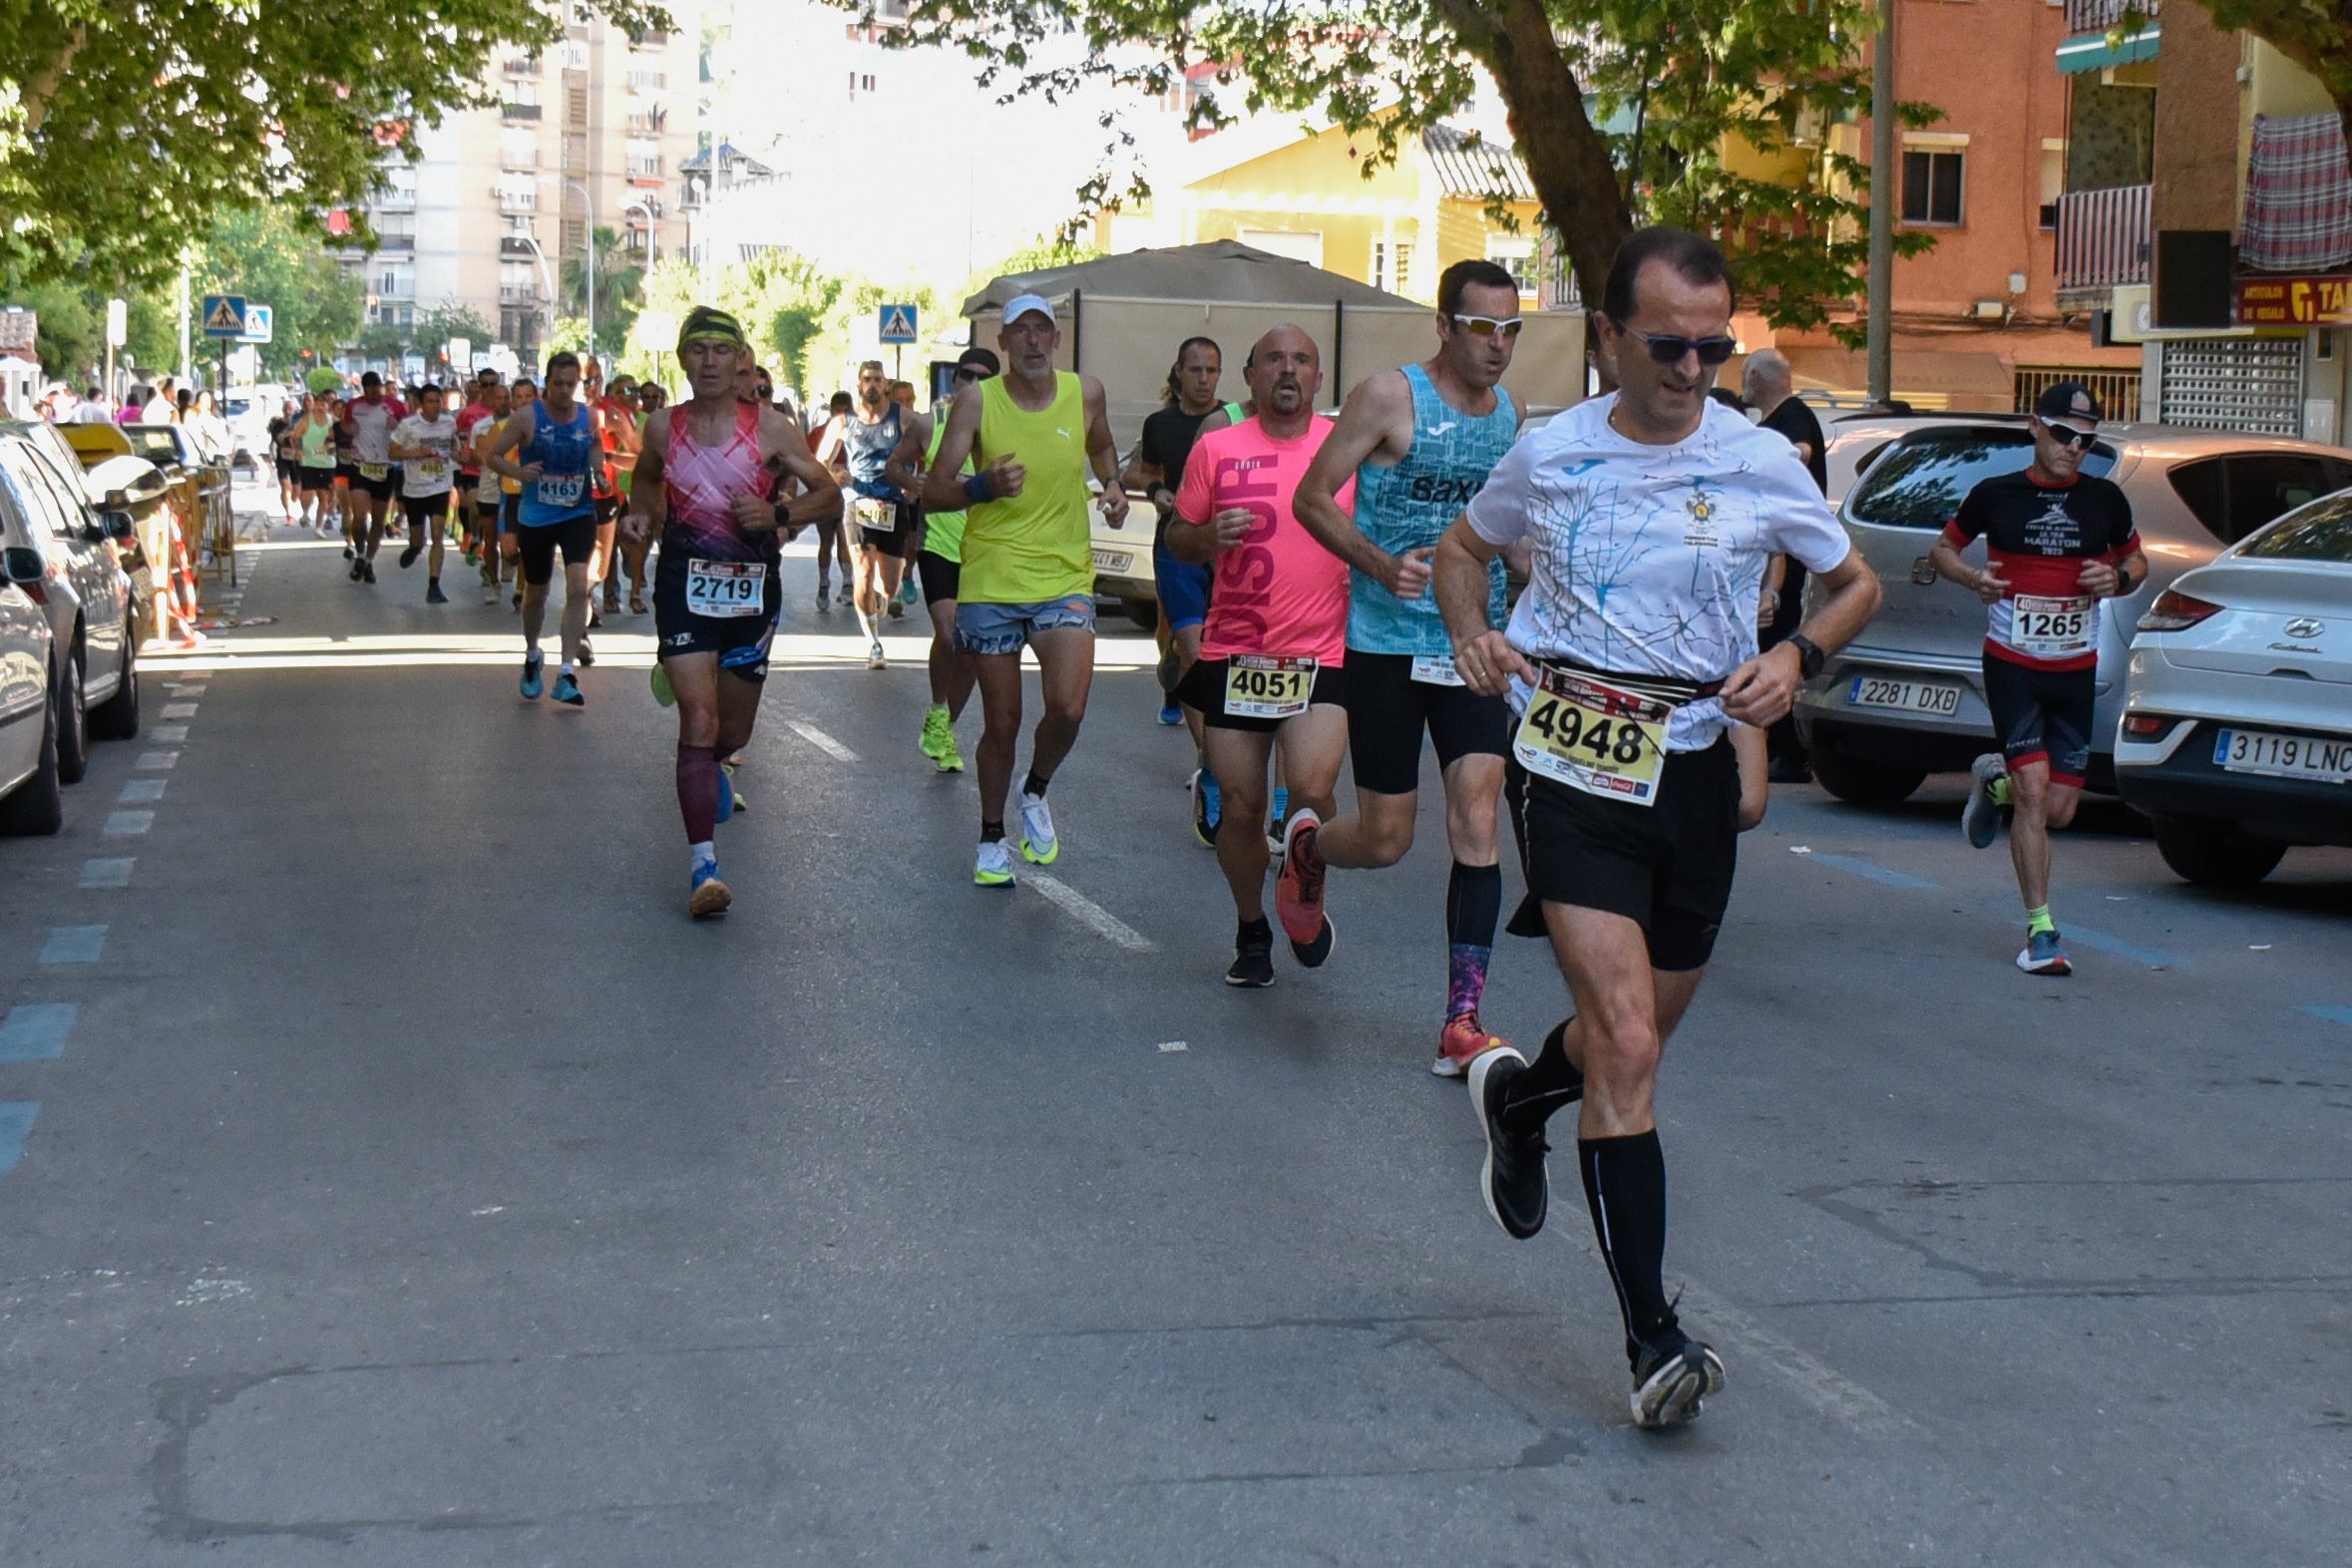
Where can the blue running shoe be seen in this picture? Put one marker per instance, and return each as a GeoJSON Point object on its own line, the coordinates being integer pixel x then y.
{"type": "Point", "coordinates": [1170, 714]}
{"type": "Point", "coordinates": [2043, 954]}
{"type": "Point", "coordinates": [533, 685]}
{"type": "Point", "coordinates": [707, 898]}
{"type": "Point", "coordinates": [1207, 807]}
{"type": "Point", "coordinates": [568, 692]}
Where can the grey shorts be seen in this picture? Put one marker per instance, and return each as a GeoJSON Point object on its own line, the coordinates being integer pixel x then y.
{"type": "Point", "coordinates": [1007, 629]}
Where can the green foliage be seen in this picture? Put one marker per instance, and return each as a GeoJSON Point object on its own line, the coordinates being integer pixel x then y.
{"type": "Point", "coordinates": [2314, 34]}
{"type": "Point", "coordinates": [271, 256]}
{"type": "Point", "coordinates": [794, 311]}
{"type": "Point", "coordinates": [621, 279]}
{"type": "Point", "coordinates": [126, 127]}
{"type": "Point", "coordinates": [1039, 256]}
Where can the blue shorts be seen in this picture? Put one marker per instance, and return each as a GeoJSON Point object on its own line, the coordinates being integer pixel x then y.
{"type": "Point", "coordinates": [1183, 586]}
{"type": "Point", "coordinates": [1005, 628]}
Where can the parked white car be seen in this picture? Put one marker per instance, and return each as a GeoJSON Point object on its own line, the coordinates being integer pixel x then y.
{"type": "Point", "coordinates": [2236, 736]}
{"type": "Point", "coordinates": [31, 793]}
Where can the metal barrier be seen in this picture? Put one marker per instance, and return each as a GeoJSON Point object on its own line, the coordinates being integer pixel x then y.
{"type": "Point", "coordinates": [217, 508]}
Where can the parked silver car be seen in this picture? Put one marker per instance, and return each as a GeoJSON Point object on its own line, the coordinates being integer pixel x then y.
{"type": "Point", "coordinates": [2236, 737]}
{"type": "Point", "coordinates": [31, 793]}
{"type": "Point", "coordinates": [1907, 697]}
{"type": "Point", "coordinates": [79, 586]}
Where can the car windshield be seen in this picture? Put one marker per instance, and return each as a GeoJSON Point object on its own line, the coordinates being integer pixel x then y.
{"type": "Point", "coordinates": [2320, 532]}
{"type": "Point", "coordinates": [1921, 481]}
{"type": "Point", "coordinates": [156, 443]}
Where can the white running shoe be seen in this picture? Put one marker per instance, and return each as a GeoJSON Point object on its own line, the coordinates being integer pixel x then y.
{"type": "Point", "coordinates": [874, 659]}
{"type": "Point", "coordinates": [993, 868]}
{"type": "Point", "coordinates": [1038, 846]}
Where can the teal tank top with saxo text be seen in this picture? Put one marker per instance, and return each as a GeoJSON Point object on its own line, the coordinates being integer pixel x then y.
{"type": "Point", "coordinates": [1410, 506]}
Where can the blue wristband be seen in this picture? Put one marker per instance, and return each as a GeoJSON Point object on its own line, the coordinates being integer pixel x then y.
{"type": "Point", "coordinates": [977, 488]}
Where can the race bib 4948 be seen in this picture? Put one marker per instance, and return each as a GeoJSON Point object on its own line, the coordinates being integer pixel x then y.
{"type": "Point", "coordinates": [1594, 737]}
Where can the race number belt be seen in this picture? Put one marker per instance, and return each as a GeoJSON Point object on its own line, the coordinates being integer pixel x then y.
{"type": "Point", "coordinates": [724, 590]}
{"type": "Point", "coordinates": [1598, 733]}
{"type": "Point", "coordinates": [375, 470]}
{"type": "Point", "coordinates": [1436, 670]}
{"type": "Point", "coordinates": [876, 514]}
{"type": "Point", "coordinates": [561, 489]}
{"type": "Point", "coordinates": [1263, 686]}
{"type": "Point", "coordinates": [2052, 628]}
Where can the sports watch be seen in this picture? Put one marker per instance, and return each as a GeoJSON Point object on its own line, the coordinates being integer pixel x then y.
{"type": "Point", "coordinates": [1809, 658]}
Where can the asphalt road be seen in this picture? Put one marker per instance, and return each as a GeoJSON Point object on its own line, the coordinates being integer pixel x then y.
{"type": "Point", "coordinates": [411, 1182]}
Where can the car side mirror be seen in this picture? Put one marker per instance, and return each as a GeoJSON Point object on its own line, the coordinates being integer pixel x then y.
{"type": "Point", "coordinates": [116, 525]}
{"type": "Point", "coordinates": [20, 565]}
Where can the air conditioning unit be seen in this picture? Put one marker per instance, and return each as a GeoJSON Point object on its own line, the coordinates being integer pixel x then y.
{"type": "Point", "coordinates": [1987, 310]}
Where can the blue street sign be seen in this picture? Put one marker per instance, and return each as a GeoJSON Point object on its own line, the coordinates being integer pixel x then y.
{"type": "Point", "coordinates": [897, 324]}
{"type": "Point", "coordinates": [260, 323]}
{"type": "Point", "coordinates": [224, 316]}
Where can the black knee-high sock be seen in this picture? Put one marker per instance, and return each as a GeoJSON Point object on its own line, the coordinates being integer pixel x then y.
{"type": "Point", "coordinates": [1625, 1186]}
{"type": "Point", "coordinates": [1551, 1081]}
{"type": "Point", "coordinates": [1033, 785]}
{"type": "Point", "coordinates": [1474, 903]}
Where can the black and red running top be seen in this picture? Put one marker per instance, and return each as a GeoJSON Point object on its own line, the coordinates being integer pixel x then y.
{"type": "Point", "coordinates": [2038, 537]}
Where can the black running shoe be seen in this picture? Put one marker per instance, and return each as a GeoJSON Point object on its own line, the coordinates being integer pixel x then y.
{"type": "Point", "coordinates": [1253, 956]}
{"type": "Point", "coordinates": [587, 656]}
{"type": "Point", "coordinates": [358, 569]}
{"type": "Point", "coordinates": [408, 557]}
{"type": "Point", "coordinates": [1673, 1379]}
{"type": "Point", "coordinates": [434, 596]}
{"type": "Point", "coordinates": [348, 551]}
{"type": "Point", "coordinates": [1514, 1182]}
{"type": "Point", "coordinates": [368, 575]}
{"type": "Point", "coordinates": [1311, 954]}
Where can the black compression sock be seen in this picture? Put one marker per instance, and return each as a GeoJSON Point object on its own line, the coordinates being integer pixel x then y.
{"type": "Point", "coordinates": [991, 832]}
{"type": "Point", "coordinates": [1551, 1081]}
{"type": "Point", "coordinates": [1033, 785]}
{"type": "Point", "coordinates": [1625, 1187]}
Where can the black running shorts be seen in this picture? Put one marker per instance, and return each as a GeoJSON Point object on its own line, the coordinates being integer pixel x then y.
{"type": "Point", "coordinates": [940, 577]}
{"type": "Point", "coordinates": [1203, 687]}
{"type": "Point", "coordinates": [1387, 710]}
{"type": "Point", "coordinates": [2043, 715]}
{"type": "Point", "coordinates": [742, 642]}
{"type": "Point", "coordinates": [576, 537]}
{"type": "Point", "coordinates": [425, 511]}
{"type": "Point", "coordinates": [1666, 866]}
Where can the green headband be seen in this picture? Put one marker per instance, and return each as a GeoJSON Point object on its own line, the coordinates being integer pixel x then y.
{"type": "Point", "coordinates": [705, 322]}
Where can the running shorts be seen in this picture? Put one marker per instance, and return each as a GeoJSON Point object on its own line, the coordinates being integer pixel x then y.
{"type": "Point", "coordinates": [378, 489]}
{"type": "Point", "coordinates": [1665, 866]}
{"type": "Point", "coordinates": [576, 535]}
{"type": "Point", "coordinates": [891, 541]}
{"type": "Point", "coordinates": [608, 510]}
{"type": "Point", "coordinates": [2043, 715]}
{"type": "Point", "coordinates": [1007, 629]}
{"type": "Point", "coordinates": [319, 479]}
{"type": "Point", "coordinates": [345, 474]}
{"type": "Point", "coordinates": [1203, 688]}
{"type": "Point", "coordinates": [290, 471]}
{"type": "Point", "coordinates": [1182, 589]}
{"type": "Point", "coordinates": [1387, 710]}
{"type": "Point", "coordinates": [742, 642]}
{"type": "Point", "coordinates": [425, 511]}
{"type": "Point", "coordinates": [940, 577]}
{"type": "Point", "coordinates": [463, 483]}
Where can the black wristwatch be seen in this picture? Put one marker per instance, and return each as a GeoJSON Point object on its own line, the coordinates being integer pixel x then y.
{"type": "Point", "coordinates": [1809, 658]}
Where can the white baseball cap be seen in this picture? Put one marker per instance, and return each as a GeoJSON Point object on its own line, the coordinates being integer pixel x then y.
{"type": "Point", "coordinates": [1026, 304]}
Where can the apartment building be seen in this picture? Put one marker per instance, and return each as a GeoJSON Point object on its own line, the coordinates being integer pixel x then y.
{"type": "Point", "coordinates": [2207, 218]}
{"type": "Point", "coordinates": [595, 126]}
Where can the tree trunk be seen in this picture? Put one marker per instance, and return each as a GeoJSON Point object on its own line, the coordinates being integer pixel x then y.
{"type": "Point", "coordinates": [1566, 158]}
{"type": "Point", "coordinates": [38, 84]}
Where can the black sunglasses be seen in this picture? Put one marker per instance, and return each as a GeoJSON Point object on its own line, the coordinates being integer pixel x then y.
{"type": "Point", "coordinates": [970, 373]}
{"type": "Point", "coordinates": [2068, 436]}
{"type": "Point", "coordinates": [1666, 349]}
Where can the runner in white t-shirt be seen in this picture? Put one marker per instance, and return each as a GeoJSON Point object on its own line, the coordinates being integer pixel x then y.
{"type": "Point", "coordinates": [425, 445]}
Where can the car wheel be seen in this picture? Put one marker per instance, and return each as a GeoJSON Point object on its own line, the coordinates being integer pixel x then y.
{"type": "Point", "coordinates": [73, 729]}
{"type": "Point", "coordinates": [118, 717]}
{"type": "Point", "coordinates": [2215, 853]}
{"type": "Point", "coordinates": [1863, 783]}
{"type": "Point", "coordinates": [38, 806]}
{"type": "Point", "coordinates": [1143, 611]}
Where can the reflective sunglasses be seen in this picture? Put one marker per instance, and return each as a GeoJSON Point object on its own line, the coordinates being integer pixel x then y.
{"type": "Point", "coordinates": [1488, 327]}
{"type": "Point", "coordinates": [970, 373]}
{"type": "Point", "coordinates": [1666, 349]}
{"type": "Point", "coordinates": [2068, 436]}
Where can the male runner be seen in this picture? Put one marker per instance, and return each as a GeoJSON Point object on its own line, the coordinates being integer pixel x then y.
{"type": "Point", "coordinates": [285, 453]}
{"type": "Point", "coordinates": [706, 480]}
{"type": "Point", "coordinates": [1028, 571]}
{"type": "Point", "coordinates": [1652, 512]}
{"type": "Point", "coordinates": [479, 392]}
{"type": "Point", "coordinates": [862, 444]}
{"type": "Point", "coordinates": [489, 490]}
{"type": "Point", "coordinates": [624, 436]}
{"type": "Point", "coordinates": [603, 486]}
{"type": "Point", "coordinates": [426, 445]}
{"type": "Point", "coordinates": [1273, 651]}
{"type": "Point", "coordinates": [368, 420]}
{"type": "Point", "coordinates": [2057, 541]}
{"type": "Point", "coordinates": [833, 536]}
{"type": "Point", "coordinates": [554, 447]}
{"type": "Point", "coordinates": [524, 392]}
{"type": "Point", "coordinates": [1417, 442]}
{"type": "Point", "coordinates": [940, 566]}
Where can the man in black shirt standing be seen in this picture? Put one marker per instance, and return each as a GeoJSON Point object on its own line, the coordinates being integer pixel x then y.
{"type": "Point", "coordinates": [1768, 385]}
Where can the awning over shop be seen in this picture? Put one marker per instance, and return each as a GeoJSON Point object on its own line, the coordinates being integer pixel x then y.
{"type": "Point", "coordinates": [2093, 52]}
{"type": "Point", "coordinates": [2298, 196]}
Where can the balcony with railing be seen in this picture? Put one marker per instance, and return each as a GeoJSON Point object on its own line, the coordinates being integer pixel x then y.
{"type": "Point", "coordinates": [520, 64]}
{"type": "Point", "coordinates": [515, 110]}
{"type": "Point", "coordinates": [2104, 238]}
{"type": "Point", "coordinates": [2104, 15]}
{"type": "Point", "coordinates": [517, 293]}
{"type": "Point", "coordinates": [395, 199]}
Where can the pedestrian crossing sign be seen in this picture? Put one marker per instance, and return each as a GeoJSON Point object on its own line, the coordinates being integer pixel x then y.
{"type": "Point", "coordinates": [898, 323]}
{"type": "Point", "coordinates": [224, 315]}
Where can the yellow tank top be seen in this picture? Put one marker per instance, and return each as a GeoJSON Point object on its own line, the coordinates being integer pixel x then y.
{"type": "Point", "coordinates": [1032, 547]}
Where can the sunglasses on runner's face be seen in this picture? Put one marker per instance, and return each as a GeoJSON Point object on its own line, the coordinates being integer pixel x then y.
{"type": "Point", "coordinates": [970, 373]}
{"type": "Point", "coordinates": [1666, 349]}
{"type": "Point", "coordinates": [2068, 436]}
{"type": "Point", "coordinates": [1488, 327]}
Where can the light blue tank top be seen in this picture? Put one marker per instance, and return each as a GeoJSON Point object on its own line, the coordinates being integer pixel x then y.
{"type": "Point", "coordinates": [866, 450]}
{"type": "Point", "coordinates": [1410, 506]}
{"type": "Point", "coordinates": [564, 452]}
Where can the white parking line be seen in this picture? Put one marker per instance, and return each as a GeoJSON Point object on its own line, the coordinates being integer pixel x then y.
{"type": "Point", "coordinates": [1089, 913]}
{"type": "Point", "coordinates": [141, 791]}
{"type": "Point", "coordinates": [127, 823]}
{"type": "Point", "coordinates": [157, 761]}
{"type": "Point", "coordinates": [168, 732]}
{"type": "Point", "coordinates": [180, 710]}
{"type": "Point", "coordinates": [822, 741]}
{"type": "Point", "coordinates": [108, 871]}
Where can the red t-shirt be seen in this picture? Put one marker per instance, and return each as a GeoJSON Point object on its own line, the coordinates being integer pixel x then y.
{"type": "Point", "coordinates": [468, 417]}
{"type": "Point", "coordinates": [1278, 591]}
{"type": "Point", "coordinates": [2040, 538]}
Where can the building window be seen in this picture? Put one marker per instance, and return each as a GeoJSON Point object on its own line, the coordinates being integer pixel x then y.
{"type": "Point", "coordinates": [517, 147]}
{"type": "Point", "coordinates": [2053, 183]}
{"type": "Point", "coordinates": [1515, 256]}
{"type": "Point", "coordinates": [860, 82]}
{"type": "Point", "coordinates": [1391, 266]}
{"type": "Point", "coordinates": [1932, 183]}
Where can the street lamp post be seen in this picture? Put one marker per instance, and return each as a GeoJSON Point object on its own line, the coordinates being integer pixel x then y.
{"type": "Point", "coordinates": [652, 229]}
{"type": "Point", "coordinates": [592, 261]}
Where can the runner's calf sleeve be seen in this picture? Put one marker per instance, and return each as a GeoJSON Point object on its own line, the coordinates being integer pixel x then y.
{"type": "Point", "coordinates": [698, 787]}
{"type": "Point", "coordinates": [1474, 903]}
{"type": "Point", "coordinates": [1625, 1187]}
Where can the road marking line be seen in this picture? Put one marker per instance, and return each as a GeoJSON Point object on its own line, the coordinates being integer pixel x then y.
{"type": "Point", "coordinates": [1089, 913]}
{"type": "Point", "coordinates": [2100, 942]}
{"type": "Point", "coordinates": [16, 1124]}
{"type": "Point", "coordinates": [187, 689]}
{"type": "Point", "coordinates": [36, 1030]}
{"type": "Point", "coordinates": [1817, 1382]}
{"type": "Point", "coordinates": [2331, 1014]}
{"type": "Point", "coordinates": [73, 944]}
{"type": "Point", "coordinates": [157, 761]}
{"type": "Point", "coordinates": [180, 710]}
{"type": "Point", "coordinates": [822, 741]}
{"type": "Point", "coordinates": [1878, 874]}
{"type": "Point", "coordinates": [173, 733]}
{"type": "Point", "coordinates": [141, 791]}
{"type": "Point", "coordinates": [127, 823]}
{"type": "Point", "coordinates": [108, 873]}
